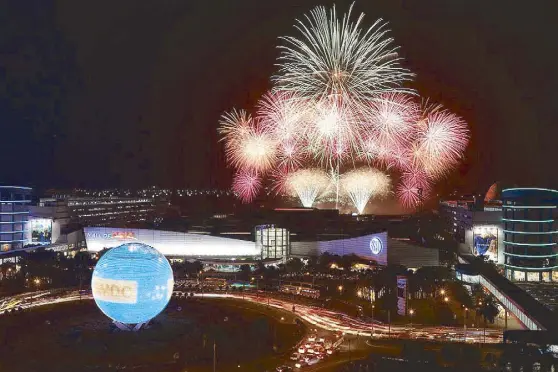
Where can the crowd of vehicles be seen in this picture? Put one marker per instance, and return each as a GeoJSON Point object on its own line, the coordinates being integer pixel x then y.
{"type": "Point", "coordinates": [312, 350]}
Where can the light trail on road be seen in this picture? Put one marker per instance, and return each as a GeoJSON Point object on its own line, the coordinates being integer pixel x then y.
{"type": "Point", "coordinates": [321, 318]}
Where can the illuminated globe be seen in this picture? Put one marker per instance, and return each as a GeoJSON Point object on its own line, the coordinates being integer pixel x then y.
{"type": "Point", "coordinates": [132, 283]}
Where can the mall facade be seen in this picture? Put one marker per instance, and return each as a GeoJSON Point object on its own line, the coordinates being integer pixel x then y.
{"type": "Point", "coordinates": [272, 245]}
{"type": "Point", "coordinates": [530, 234]}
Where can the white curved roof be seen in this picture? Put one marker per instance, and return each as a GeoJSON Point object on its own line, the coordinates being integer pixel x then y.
{"type": "Point", "coordinates": [170, 243]}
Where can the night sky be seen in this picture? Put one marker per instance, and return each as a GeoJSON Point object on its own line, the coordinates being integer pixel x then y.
{"type": "Point", "coordinates": [129, 93]}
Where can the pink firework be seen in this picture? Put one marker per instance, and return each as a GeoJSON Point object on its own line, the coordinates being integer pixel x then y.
{"type": "Point", "coordinates": [246, 185]}
{"type": "Point", "coordinates": [248, 146]}
{"type": "Point", "coordinates": [283, 115]}
{"type": "Point", "coordinates": [413, 189]}
{"type": "Point", "coordinates": [392, 118]}
{"type": "Point", "coordinates": [442, 138]}
{"type": "Point", "coordinates": [334, 132]}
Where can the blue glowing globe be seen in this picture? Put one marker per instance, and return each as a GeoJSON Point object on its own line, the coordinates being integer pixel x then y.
{"type": "Point", "coordinates": [132, 283]}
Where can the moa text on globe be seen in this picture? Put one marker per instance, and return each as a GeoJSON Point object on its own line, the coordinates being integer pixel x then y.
{"type": "Point", "coordinates": [375, 245]}
{"type": "Point", "coordinates": [132, 283]}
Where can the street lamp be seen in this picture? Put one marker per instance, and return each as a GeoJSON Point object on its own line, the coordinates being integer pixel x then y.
{"type": "Point", "coordinates": [359, 293]}
{"type": "Point", "coordinates": [446, 299]}
{"type": "Point", "coordinates": [340, 288]}
{"type": "Point", "coordinates": [411, 313]}
{"type": "Point", "coordinates": [442, 291]}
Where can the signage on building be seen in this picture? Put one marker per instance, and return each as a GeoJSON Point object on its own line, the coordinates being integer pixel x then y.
{"type": "Point", "coordinates": [401, 295]}
{"type": "Point", "coordinates": [112, 235]}
{"type": "Point", "coordinates": [376, 245]}
{"type": "Point", "coordinates": [115, 291]}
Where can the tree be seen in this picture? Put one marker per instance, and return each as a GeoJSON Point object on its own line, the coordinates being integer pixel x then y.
{"type": "Point", "coordinates": [294, 265]}
{"type": "Point", "coordinates": [245, 272]}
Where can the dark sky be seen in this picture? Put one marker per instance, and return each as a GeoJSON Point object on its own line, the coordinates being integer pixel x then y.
{"type": "Point", "coordinates": [128, 93]}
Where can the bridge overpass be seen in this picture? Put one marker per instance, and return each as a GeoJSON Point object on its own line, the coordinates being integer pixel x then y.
{"type": "Point", "coordinates": [530, 312]}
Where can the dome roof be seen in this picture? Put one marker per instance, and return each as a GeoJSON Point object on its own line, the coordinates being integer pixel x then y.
{"type": "Point", "coordinates": [493, 193]}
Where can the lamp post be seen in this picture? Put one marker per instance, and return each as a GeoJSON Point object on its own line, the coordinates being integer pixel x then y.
{"type": "Point", "coordinates": [465, 325]}
{"type": "Point", "coordinates": [411, 313]}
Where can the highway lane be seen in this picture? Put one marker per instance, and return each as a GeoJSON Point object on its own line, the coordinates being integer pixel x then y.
{"type": "Point", "coordinates": [322, 318]}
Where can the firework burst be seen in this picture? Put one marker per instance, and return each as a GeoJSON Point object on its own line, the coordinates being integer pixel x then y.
{"type": "Point", "coordinates": [246, 185]}
{"type": "Point", "coordinates": [441, 139]}
{"type": "Point", "coordinates": [336, 57]}
{"type": "Point", "coordinates": [413, 188]}
{"type": "Point", "coordinates": [248, 146]}
{"type": "Point", "coordinates": [363, 183]}
{"type": "Point", "coordinates": [307, 184]}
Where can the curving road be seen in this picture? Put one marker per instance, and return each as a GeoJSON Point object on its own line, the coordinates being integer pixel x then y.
{"type": "Point", "coordinates": [325, 319]}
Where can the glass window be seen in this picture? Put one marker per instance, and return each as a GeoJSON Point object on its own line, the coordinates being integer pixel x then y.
{"type": "Point", "coordinates": [519, 276]}
{"type": "Point", "coordinates": [533, 277]}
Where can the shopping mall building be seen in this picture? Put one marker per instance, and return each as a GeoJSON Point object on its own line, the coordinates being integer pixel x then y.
{"type": "Point", "coordinates": [272, 245]}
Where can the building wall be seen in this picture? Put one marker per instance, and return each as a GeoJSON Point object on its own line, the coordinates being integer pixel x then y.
{"type": "Point", "coordinates": [107, 211]}
{"type": "Point", "coordinates": [359, 246]}
{"type": "Point", "coordinates": [170, 243]}
{"type": "Point", "coordinates": [410, 255]}
{"type": "Point", "coordinates": [14, 213]}
{"type": "Point", "coordinates": [530, 234]}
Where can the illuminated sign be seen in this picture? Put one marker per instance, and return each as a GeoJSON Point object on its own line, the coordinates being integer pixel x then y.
{"type": "Point", "coordinates": [401, 295]}
{"type": "Point", "coordinates": [485, 241]}
{"type": "Point", "coordinates": [122, 235]}
{"type": "Point", "coordinates": [116, 291]}
{"type": "Point", "coordinates": [41, 230]}
{"type": "Point", "coordinates": [132, 283]}
{"type": "Point", "coordinates": [376, 245]}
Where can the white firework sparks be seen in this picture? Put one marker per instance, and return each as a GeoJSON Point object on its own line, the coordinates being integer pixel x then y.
{"type": "Point", "coordinates": [248, 147]}
{"type": "Point", "coordinates": [337, 57]}
{"type": "Point", "coordinates": [307, 184]}
{"type": "Point", "coordinates": [442, 138]}
{"type": "Point", "coordinates": [363, 183]}
{"type": "Point", "coordinates": [392, 119]}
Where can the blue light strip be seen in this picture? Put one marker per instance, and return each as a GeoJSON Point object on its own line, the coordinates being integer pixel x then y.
{"type": "Point", "coordinates": [532, 268]}
{"type": "Point", "coordinates": [15, 201]}
{"type": "Point", "coordinates": [529, 206]}
{"type": "Point", "coordinates": [14, 212]}
{"type": "Point", "coordinates": [14, 222]}
{"type": "Point", "coordinates": [16, 187]}
{"type": "Point", "coordinates": [531, 255]}
{"type": "Point", "coordinates": [529, 188]}
{"type": "Point", "coordinates": [531, 244]}
{"type": "Point", "coordinates": [535, 221]}
{"type": "Point", "coordinates": [13, 241]}
{"type": "Point", "coordinates": [530, 233]}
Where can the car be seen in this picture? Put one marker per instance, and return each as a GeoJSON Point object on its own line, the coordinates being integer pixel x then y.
{"type": "Point", "coordinates": [321, 339]}
{"type": "Point", "coordinates": [301, 350]}
{"type": "Point", "coordinates": [284, 369]}
{"type": "Point", "coordinates": [312, 338]}
{"type": "Point", "coordinates": [313, 361]}
{"type": "Point", "coordinates": [301, 363]}
{"type": "Point", "coordinates": [295, 356]}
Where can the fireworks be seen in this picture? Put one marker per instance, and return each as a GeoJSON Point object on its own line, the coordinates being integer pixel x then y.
{"type": "Point", "coordinates": [392, 119]}
{"type": "Point", "coordinates": [441, 140]}
{"type": "Point", "coordinates": [336, 57]}
{"type": "Point", "coordinates": [361, 184]}
{"type": "Point", "coordinates": [248, 146]}
{"type": "Point", "coordinates": [307, 184]}
{"type": "Point", "coordinates": [337, 104]}
{"type": "Point", "coordinates": [246, 185]}
{"type": "Point", "coordinates": [282, 116]}
{"type": "Point", "coordinates": [413, 189]}
{"type": "Point", "coordinates": [333, 133]}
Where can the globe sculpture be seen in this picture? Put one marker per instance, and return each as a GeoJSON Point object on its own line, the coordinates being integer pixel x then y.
{"type": "Point", "coordinates": [132, 284]}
